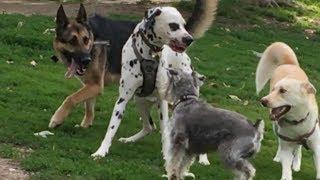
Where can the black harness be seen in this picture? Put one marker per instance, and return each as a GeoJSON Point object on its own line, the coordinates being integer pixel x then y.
{"type": "Point", "coordinates": [149, 67]}
{"type": "Point", "coordinates": [302, 140]}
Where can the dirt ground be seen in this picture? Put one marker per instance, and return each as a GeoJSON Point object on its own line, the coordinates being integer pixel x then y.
{"type": "Point", "coordinates": [105, 7]}
{"type": "Point", "coordinates": [10, 170]}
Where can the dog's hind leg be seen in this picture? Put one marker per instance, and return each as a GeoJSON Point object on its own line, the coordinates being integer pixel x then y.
{"type": "Point", "coordinates": [89, 113]}
{"type": "Point", "coordinates": [128, 86]}
{"type": "Point", "coordinates": [233, 153]}
{"type": "Point", "coordinates": [143, 107]}
{"type": "Point", "coordinates": [185, 166]}
{"type": "Point", "coordinates": [85, 93]}
{"type": "Point", "coordinates": [286, 158]}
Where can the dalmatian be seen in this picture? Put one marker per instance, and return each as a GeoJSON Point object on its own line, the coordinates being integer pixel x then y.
{"type": "Point", "coordinates": [159, 41]}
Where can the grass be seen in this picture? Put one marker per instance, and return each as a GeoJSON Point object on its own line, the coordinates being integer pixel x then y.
{"type": "Point", "coordinates": [30, 95]}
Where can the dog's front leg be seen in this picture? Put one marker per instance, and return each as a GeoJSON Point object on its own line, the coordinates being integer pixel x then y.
{"type": "Point", "coordinates": [85, 93]}
{"type": "Point", "coordinates": [164, 120]}
{"type": "Point", "coordinates": [286, 158]}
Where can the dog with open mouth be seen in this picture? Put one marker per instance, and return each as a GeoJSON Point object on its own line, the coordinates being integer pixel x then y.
{"type": "Point", "coordinates": [162, 33]}
{"type": "Point", "coordinates": [292, 104]}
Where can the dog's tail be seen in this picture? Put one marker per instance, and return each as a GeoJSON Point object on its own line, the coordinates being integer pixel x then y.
{"type": "Point", "coordinates": [259, 126]}
{"type": "Point", "coordinates": [275, 55]}
{"type": "Point", "coordinates": [202, 17]}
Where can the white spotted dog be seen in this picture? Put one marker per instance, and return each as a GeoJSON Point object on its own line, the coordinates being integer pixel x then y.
{"type": "Point", "coordinates": [162, 33]}
{"type": "Point", "coordinates": [293, 107]}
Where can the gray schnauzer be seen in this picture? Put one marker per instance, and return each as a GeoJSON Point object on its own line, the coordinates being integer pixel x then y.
{"type": "Point", "coordinates": [196, 127]}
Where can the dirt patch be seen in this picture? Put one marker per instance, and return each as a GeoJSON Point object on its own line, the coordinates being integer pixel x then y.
{"type": "Point", "coordinates": [10, 169]}
{"type": "Point", "coordinates": [105, 7]}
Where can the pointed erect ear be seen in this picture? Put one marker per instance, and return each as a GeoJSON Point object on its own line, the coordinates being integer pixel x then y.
{"type": "Point", "coordinates": [309, 88]}
{"type": "Point", "coordinates": [62, 19]}
{"type": "Point", "coordinates": [82, 14]}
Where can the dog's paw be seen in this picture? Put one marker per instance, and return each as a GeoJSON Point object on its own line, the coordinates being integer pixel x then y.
{"type": "Point", "coordinates": [295, 167]}
{"type": "Point", "coordinates": [276, 159]}
{"type": "Point", "coordinates": [164, 176]}
{"type": "Point", "coordinates": [189, 175]}
{"type": "Point", "coordinates": [99, 154]}
{"type": "Point", "coordinates": [53, 124]}
{"type": "Point", "coordinates": [203, 160]}
{"type": "Point", "coordinates": [126, 140]}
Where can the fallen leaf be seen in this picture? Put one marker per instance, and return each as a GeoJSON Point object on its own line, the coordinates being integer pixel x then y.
{"type": "Point", "coordinates": [216, 45]}
{"type": "Point", "coordinates": [9, 62]}
{"type": "Point", "coordinates": [246, 102]}
{"type": "Point", "coordinates": [196, 58]}
{"type": "Point", "coordinates": [44, 134]}
{"type": "Point", "coordinates": [226, 85]}
{"type": "Point", "coordinates": [48, 31]}
{"type": "Point", "coordinates": [228, 68]}
{"type": "Point", "coordinates": [234, 97]}
{"type": "Point", "coordinates": [33, 63]}
{"type": "Point", "coordinates": [213, 84]}
{"type": "Point", "coordinates": [257, 54]}
{"type": "Point", "coordinates": [20, 24]}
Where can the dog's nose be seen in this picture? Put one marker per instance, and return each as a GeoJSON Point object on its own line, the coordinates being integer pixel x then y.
{"type": "Point", "coordinates": [86, 61]}
{"type": "Point", "coordinates": [187, 40]}
{"type": "Point", "coordinates": [264, 102]}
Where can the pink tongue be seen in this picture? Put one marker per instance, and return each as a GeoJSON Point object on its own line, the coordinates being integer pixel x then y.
{"type": "Point", "coordinates": [71, 70]}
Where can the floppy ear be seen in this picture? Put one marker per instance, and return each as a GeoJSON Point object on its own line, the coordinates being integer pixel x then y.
{"type": "Point", "coordinates": [150, 18]}
{"type": "Point", "coordinates": [309, 88]}
{"type": "Point", "coordinates": [82, 14]}
{"type": "Point", "coordinates": [62, 19]}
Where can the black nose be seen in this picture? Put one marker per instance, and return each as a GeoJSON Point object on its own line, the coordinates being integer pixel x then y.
{"type": "Point", "coordinates": [187, 40]}
{"type": "Point", "coordinates": [86, 61]}
{"type": "Point", "coordinates": [264, 102]}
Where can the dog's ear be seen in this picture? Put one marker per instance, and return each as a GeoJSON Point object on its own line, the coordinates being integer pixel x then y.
{"type": "Point", "coordinates": [198, 78]}
{"type": "Point", "coordinates": [82, 14]}
{"type": "Point", "coordinates": [150, 19]}
{"type": "Point", "coordinates": [308, 88]}
{"type": "Point", "coordinates": [62, 19]}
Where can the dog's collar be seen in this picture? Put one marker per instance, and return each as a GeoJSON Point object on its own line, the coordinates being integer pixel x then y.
{"type": "Point", "coordinates": [294, 122]}
{"type": "Point", "coordinates": [184, 98]}
{"type": "Point", "coordinates": [153, 47]}
{"type": "Point", "coordinates": [302, 140]}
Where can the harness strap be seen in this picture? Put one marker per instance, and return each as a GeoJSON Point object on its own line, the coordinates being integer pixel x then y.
{"type": "Point", "coordinates": [184, 98]}
{"type": "Point", "coordinates": [301, 139]}
{"type": "Point", "coordinates": [154, 48]}
{"type": "Point", "coordinates": [149, 69]}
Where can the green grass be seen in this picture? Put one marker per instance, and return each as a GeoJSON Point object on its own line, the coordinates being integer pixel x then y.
{"type": "Point", "coordinates": [30, 95]}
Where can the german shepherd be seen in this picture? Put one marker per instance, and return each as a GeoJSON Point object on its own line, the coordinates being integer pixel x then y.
{"type": "Point", "coordinates": [75, 46]}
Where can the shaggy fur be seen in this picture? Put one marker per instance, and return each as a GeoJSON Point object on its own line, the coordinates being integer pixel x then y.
{"type": "Point", "coordinates": [196, 127]}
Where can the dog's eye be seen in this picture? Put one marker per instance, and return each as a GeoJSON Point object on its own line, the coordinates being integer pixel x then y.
{"type": "Point", "coordinates": [86, 40]}
{"type": "Point", "coordinates": [282, 91]}
{"type": "Point", "coordinates": [73, 40]}
{"type": "Point", "coordinates": [174, 26]}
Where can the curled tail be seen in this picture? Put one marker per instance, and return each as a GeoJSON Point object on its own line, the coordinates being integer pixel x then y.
{"type": "Point", "coordinates": [275, 55]}
{"type": "Point", "coordinates": [202, 17]}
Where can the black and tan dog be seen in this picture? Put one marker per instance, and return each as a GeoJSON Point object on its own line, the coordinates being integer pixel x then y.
{"type": "Point", "coordinates": [80, 44]}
